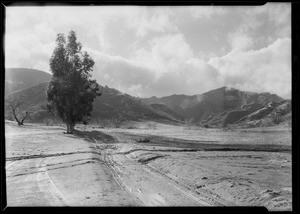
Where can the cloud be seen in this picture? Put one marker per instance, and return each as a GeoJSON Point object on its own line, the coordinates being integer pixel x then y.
{"type": "Point", "coordinates": [149, 20]}
{"type": "Point", "coordinates": [264, 70]}
{"type": "Point", "coordinates": [118, 72]}
{"type": "Point", "coordinates": [166, 53]}
{"type": "Point", "coordinates": [161, 71]}
{"type": "Point", "coordinates": [206, 11]}
{"type": "Point", "coordinates": [276, 15]}
{"type": "Point", "coordinates": [146, 51]}
{"type": "Point", "coordinates": [26, 50]}
{"type": "Point", "coordinates": [240, 41]}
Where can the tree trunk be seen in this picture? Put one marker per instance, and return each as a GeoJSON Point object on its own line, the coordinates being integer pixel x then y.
{"type": "Point", "coordinates": [20, 123]}
{"type": "Point", "coordinates": [70, 128]}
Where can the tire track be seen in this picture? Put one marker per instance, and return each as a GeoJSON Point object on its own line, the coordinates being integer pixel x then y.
{"type": "Point", "coordinates": [48, 155]}
{"type": "Point", "coordinates": [202, 198]}
{"type": "Point", "coordinates": [47, 186]}
{"type": "Point", "coordinates": [138, 184]}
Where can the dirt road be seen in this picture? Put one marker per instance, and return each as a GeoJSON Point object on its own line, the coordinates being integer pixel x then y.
{"type": "Point", "coordinates": [45, 167]}
{"type": "Point", "coordinates": [256, 172]}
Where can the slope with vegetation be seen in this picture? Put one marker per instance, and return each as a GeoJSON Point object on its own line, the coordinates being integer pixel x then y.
{"type": "Point", "coordinates": [22, 78]}
{"type": "Point", "coordinates": [217, 108]}
{"type": "Point", "coordinates": [222, 106]}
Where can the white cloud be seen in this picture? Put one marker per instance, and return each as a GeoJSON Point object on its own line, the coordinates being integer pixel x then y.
{"type": "Point", "coordinates": [118, 72]}
{"type": "Point", "coordinates": [240, 41]}
{"type": "Point", "coordinates": [168, 68]}
{"type": "Point", "coordinates": [264, 70]}
{"type": "Point", "coordinates": [26, 50]}
{"type": "Point", "coordinates": [160, 61]}
{"type": "Point", "coordinates": [278, 15]}
{"type": "Point", "coordinates": [147, 20]}
{"type": "Point", "coordinates": [206, 11]}
{"type": "Point", "coordinates": [167, 53]}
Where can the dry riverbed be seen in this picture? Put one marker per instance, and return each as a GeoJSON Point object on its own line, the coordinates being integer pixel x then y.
{"type": "Point", "coordinates": [115, 167]}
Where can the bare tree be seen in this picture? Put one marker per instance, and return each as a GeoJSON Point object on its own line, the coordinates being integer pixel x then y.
{"type": "Point", "coordinates": [15, 106]}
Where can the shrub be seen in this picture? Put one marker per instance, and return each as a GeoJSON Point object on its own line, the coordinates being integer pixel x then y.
{"type": "Point", "coordinates": [276, 119]}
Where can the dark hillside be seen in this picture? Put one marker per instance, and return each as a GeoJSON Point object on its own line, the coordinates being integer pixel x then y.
{"type": "Point", "coordinates": [22, 78]}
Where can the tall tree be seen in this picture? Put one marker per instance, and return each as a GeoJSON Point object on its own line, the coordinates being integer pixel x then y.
{"type": "Point", "coordinates": [71, 92]}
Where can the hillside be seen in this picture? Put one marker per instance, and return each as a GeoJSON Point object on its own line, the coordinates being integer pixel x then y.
{"type": "Point", "coordinates": [164, 110]}
{"type": "Point", "coordinates": [112, 104]}
{"type": "Point", "coordinates": [216, 108]}
{"type": "Point", "coordinates": [219, 107]}
{"type": "Point", "coordinates": [32, 97]}
{"type": "Point", "coordinates": [22, 78]}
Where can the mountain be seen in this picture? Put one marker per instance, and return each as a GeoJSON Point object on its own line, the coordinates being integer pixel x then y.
{"type": "Point", "coordinates": [218, 107]}
{"type": "Point", "coordinates": [164, 110]}
{"type": "Point", "coordinates": [271, 114]}
{"type": "Point", "coordinates": [21, 78]}
{"type": "Point", "coordinates": [111, 104]}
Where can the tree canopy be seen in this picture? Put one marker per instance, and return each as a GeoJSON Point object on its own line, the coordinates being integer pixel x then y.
{"type": "Point", "coordinates": [71, 91]}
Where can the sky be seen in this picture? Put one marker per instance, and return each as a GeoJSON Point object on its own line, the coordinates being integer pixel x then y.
{"type": "Point", "coordinates": [163, 50]}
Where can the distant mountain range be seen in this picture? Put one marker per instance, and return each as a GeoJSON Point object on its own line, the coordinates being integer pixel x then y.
{"type": "Point", "coordinates": [21, 78]}
{"type": "Point", "coordinates": [112, 103]}
{"type": "Point", "coordinates": [222, 106]}
{"type": "Point", "coordinates": [216, 108]}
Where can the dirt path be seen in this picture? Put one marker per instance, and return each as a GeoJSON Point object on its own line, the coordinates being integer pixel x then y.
{"type": "Point", "coordinates": [51, 169]}
{"type": "Point", "coordinates": [240, 176]}
{"type": "Point", "coordinates": [150, 187]}
{"type": "Point", "coordinates": [47, 168]}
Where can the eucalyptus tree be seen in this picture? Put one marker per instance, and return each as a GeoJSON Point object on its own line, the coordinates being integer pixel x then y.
{"type": "Point", "coordinates": [71, 92]}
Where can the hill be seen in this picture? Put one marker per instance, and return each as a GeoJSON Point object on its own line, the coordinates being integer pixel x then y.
{"type": "Point", "coordinates": [112, 104]}
{"type": "Point", "coordinates": [22, 78]}
{"type": "Point", "coordinates": [219, 107]}
{"type": "Point", "coordinates": [164, 110]}
{"type": "Point", "coordinates": [216, 108]}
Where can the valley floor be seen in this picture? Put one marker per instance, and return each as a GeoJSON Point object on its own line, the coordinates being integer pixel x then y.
{"type": "Point", "coordinates": [176, 167]}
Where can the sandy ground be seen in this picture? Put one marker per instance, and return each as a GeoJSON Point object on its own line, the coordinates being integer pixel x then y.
{"type": "Point", "coordinates": [238, 168]}
{"type": "Point", "coordinates": [45, 167]}
{"type": "Point", "coordinates": [178, 167]}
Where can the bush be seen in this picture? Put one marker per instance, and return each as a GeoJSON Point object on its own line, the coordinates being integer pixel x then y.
{"type": "Point", "coordinates": [276, 119]}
